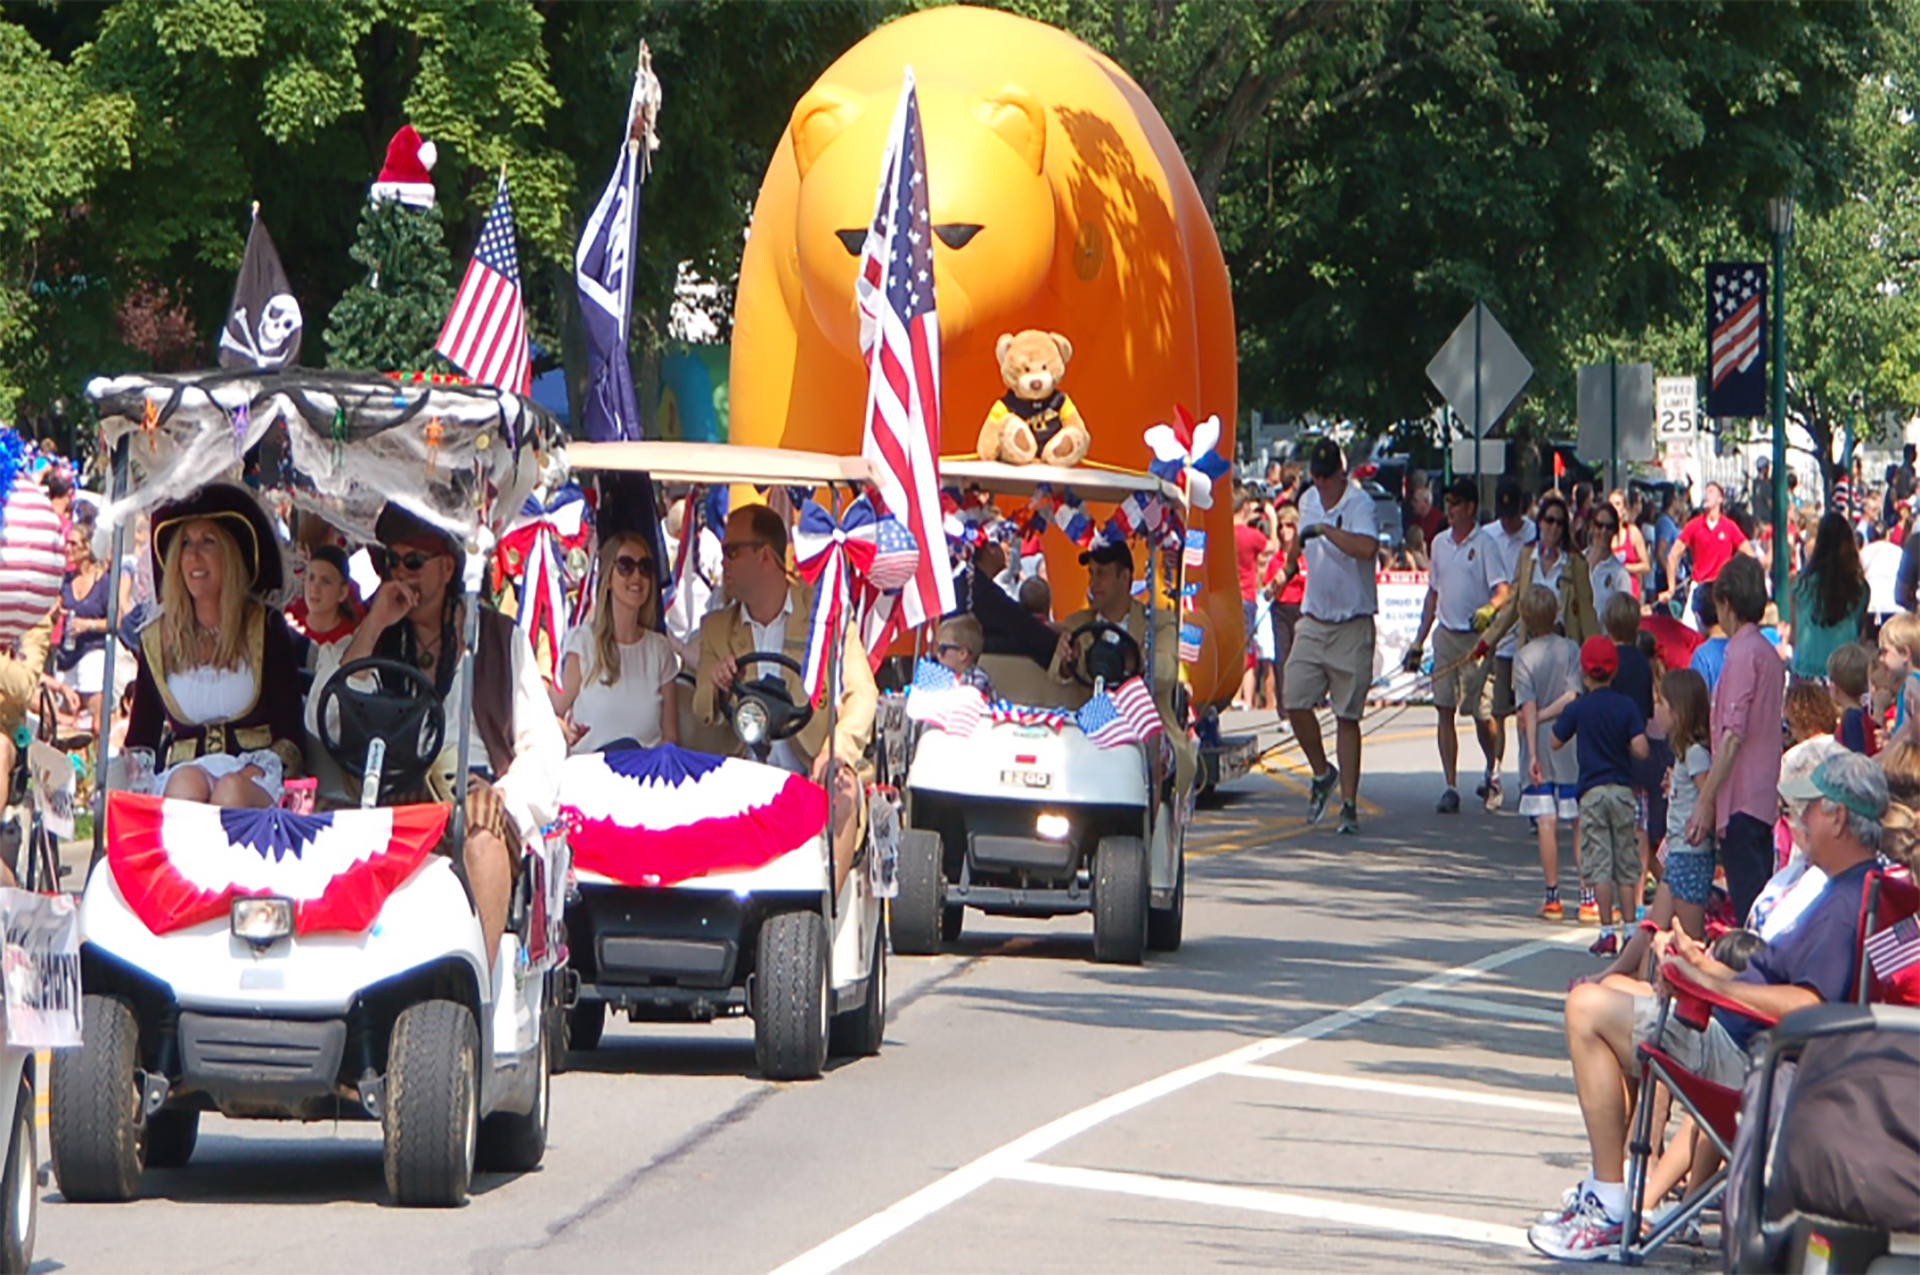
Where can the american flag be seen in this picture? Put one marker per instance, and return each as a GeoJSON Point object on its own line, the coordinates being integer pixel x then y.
{"type": "Point", "coordinates": [1123, 716]}
{"type": "Point", "coordinates": [936, 699]}
{"type": "Point", "coordinates": [1895, 948]}
{"type": "Point", "coordinates": [1194, 551]}
{"type": "Point", "coordinates": [1006, 713]}
{"type": "Point", "coordinates": [900, 338]}
{"type": "Point", "coordinates": [1736, 318]}
{"type": "Point", "coordinates": [1190, 638]}
{"type": "Point", "coordinates": [486, 333]}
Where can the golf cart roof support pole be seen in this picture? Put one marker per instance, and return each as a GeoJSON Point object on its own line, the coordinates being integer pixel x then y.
{"type": "Point", "coordinates": [117, 491]}
{"type": "Point", "coordinates": [469, 645]}
{"type": "Point", "coordinates": [836, 671]}
{"type": "Point", "coordinates": [1479, 413]}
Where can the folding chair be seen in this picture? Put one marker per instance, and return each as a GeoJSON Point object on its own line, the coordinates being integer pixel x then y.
{"type": "Point", "coordinates": [1888, 896]}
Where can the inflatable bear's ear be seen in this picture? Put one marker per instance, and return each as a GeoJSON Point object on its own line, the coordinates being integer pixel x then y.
{"type": "Point", "coordinates": [1017, 116]}
{"type": "Point", "coordinates": [822, 115]}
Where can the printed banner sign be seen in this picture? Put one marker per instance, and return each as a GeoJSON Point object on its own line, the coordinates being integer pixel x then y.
{"type": "Point", "coordinates": [40, 958]}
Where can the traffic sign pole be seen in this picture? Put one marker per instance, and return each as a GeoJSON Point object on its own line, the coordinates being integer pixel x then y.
{"type": "Point", "coordinates": [1479, 417]}
{"type": "Point", "coordinates": [1613, 419]}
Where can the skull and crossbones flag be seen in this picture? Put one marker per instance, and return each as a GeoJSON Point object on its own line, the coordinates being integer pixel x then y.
{"type": "Point", "coordinates": [263, 323]}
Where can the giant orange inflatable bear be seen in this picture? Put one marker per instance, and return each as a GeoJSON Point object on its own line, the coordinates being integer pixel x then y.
{"type": "Point", "coordinates": [1060, 202]}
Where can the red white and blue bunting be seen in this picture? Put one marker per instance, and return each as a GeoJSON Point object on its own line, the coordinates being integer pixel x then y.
{"type": "Point", "coordinates": [852, 565]}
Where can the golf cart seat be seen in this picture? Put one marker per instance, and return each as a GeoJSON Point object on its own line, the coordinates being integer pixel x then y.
{"type": "Point", "coordinates": [1018, 680]}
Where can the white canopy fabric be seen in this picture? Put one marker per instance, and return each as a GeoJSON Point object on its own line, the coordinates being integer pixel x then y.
{"type": "Point", "coordinates": [1085, 481]}
{"type": "Point", "coordinates": [709, 463]}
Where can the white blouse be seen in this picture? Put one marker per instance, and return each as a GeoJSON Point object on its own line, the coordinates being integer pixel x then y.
{"type": "Point", "coordinates": [631, 707]}
{"type": "Point", "coordinates": [208, 694]}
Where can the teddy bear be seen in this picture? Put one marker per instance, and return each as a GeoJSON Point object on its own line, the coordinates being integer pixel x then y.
{"type": "Point", "coordinates": [1034, 420]}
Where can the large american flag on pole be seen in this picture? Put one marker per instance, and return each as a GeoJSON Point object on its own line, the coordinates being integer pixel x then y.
{"type": "Point", "coordinates": [1736, 329]}
{"type": "Point", "coordinates": [486, 332]}
{"type": "Point", "coordinates": [900, 338]}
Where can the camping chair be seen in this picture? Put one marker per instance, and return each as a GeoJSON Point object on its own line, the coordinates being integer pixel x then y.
{"type": "Point", "coordinates": [1775, 1223]}
{"type": "Point", "coordinates": [1887, 897]}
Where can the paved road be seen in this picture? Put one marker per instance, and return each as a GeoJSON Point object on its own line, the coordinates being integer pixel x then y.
{"type": "Point", "coordinates": [1355, 1062]}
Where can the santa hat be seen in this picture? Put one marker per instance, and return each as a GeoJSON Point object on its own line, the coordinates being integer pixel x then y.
{"type": "Point", "coordinates": [404, 176]}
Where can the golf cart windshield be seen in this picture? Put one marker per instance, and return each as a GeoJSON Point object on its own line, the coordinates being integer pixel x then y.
{"type": "Point", "coordinates": [344, 443]}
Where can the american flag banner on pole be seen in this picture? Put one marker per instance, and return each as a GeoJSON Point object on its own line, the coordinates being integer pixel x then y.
{"type": "Point", "coordinates": [1736, 329]}
{"type": "Point", "coordinates": [900, 339]}
{"type": "Point", "coordinates": [1894, 949]}
{"type": "Point", "coordinates": [937, 699]}
{"type": "Point", "coordinates": [486, 332]}
{"type": "Point", "coordinates": [1125, 715]}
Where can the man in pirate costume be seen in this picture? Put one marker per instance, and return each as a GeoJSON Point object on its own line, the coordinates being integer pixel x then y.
{"type": "Point", "coordinates": [513, 772]}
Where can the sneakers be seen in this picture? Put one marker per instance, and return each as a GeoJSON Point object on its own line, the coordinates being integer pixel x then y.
{"type": "Point", "coordinates": [1449, 802]}
{"type": "Point", "coordinates": [1492, 794]}
{"type": "Point", "coordinates": [1349, 819]}
{"type": "Point", "coordinates": [1569, 1205]}
{"type": "Point", "coordinates": [1552, 910]}
{"type": "Point", "coordinates": [1480, 789]}
{"type": "Point", "coordinates": [1589, 912]}
{"type": "Point", "coordinates": [1689, 1232]}
{"type": "Point", "coordinates": [1608, 944]}
{"type": "Point", "coordinates": [1320, 792]}
{"type": "Point", "coordinates": [1587, 1235]}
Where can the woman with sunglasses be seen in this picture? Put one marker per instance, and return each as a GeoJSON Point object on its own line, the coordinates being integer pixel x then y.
{"type": "Point", "coordinates": [1550, 562]}
{"type": "Point", "coordinates": [1607, 573]}
{"type": "Point", "coordinates": [617, 674]}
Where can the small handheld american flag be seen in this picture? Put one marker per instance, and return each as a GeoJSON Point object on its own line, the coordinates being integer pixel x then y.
{"type": "Point", "coordinates": [1894, 949]}
{"type": "Point", "coordinates": [1123, 716]}
{"type": "Point", "coordinates": [486, 331]}
{"type": "Point", "coordinates": [938, 700]}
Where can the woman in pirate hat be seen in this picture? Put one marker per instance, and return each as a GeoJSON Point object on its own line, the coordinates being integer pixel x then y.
{"type": "Point", "coordinates": [218, 692]}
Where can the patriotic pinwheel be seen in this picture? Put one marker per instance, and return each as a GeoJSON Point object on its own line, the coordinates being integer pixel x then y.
{"type": "Point", "coordinates": [1183, 454]}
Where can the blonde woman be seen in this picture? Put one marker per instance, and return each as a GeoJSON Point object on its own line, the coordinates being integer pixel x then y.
{"type": "Point", "coordinates": [616, 684]}
{"type": "Point", "coordinates": [217, 696]}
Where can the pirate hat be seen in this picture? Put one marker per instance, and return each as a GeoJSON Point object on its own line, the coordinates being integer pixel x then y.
{"type": "Point", "coordinates": [240, 515]}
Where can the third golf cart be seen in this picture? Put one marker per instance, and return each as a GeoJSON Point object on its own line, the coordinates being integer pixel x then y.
{"type": "Point", "coordinates": [1026, 813]}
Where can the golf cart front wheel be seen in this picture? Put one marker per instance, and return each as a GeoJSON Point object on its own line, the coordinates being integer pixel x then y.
{"type": "Point", "coordinates": [511, 1142]}
{"type": "Point", "coordinates": [791, 997]}
{"type": "Point", "coordinates": [918, 919]}
{"type": "Point", "coordinates": [1165, 924]}
{"type": "Point", "coordinates": [432, 1109]}
{"type": "Point", "coordinates": [97, 1153]}
{"type": "Point", "coordinates": [586, 1021]}
{"type": "Point", "coordinates": [20, 1187]}
{"type": "Point", "coordinates": [171, 1138]}
{"type": "Point", "coordinates": [1121, 893]}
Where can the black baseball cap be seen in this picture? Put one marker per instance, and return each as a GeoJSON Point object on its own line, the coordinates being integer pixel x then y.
{"type": "Point", "coordinates": [1325, 460]}
{"type": "Point", "coordinates": [1462, 491]}
{"type": "Point", "coordinates": [1111, 553]}
{"type": "Point", "coordinates": [1508, 501]}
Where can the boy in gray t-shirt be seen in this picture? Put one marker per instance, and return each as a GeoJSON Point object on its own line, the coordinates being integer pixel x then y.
{"type": "Point", "coordinates": [1546, 678]}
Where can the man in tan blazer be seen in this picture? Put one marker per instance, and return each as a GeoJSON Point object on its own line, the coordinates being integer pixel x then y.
{"type": "Point", "coordinates": [767, 611]}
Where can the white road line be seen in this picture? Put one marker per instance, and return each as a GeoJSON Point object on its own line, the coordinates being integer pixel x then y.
{"type": "Point", "coordinates": [865, 1236]}
{"type": "Point", "coordinates": [1437, 1093]}
{"type": "Point", "coordinates": [1485, 1008]}
{"type": "Point", "coordinates": [1339, 1212]}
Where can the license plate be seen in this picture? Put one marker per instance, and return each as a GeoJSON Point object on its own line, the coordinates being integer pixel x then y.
{"type": "Point", "coordinates": [1026, 779]}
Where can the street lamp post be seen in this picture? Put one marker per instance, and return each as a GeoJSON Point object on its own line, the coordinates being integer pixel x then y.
{"type": "Point", "coordinates": [1780, 225]}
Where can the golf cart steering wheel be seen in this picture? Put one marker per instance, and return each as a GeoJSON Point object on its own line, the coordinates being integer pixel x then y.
{"type": "Point", "coordinates": [1112, 657]}
{"type": "Point", "coordinates": [762, 710]}
{"type": "Point", "coordinates": [412, 722]}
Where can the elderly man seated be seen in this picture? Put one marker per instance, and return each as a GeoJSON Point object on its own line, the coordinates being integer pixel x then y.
{"type": "Point", "coordinates": [1817, 960]}
{"type": "Point", "coordinates": [768, 612]}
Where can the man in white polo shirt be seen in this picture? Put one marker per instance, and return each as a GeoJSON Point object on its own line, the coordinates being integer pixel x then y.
{"type": "Point", "coordinates": [1465, 586]}
{"type": "Point", "coordinates": [1332, 653]}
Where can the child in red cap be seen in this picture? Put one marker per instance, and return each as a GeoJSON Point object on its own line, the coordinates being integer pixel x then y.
{"type": "Point", "coordinates": [1612, 733]}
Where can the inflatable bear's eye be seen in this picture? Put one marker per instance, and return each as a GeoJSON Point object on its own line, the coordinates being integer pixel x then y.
{"type": "Point", "coordinates": [956, 234]}
{"type": "Point", "coordinates": [852, 240]}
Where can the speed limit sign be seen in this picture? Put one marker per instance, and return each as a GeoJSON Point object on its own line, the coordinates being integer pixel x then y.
{"type": "Point", "coordinates": [1676, 406]}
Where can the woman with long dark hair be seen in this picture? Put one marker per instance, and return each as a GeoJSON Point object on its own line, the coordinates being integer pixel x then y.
{"type": "Point", "coordinates": [1829, 600]}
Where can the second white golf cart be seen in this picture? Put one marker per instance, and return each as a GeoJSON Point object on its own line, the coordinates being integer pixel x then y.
{"type": "Point", "coordinates": [271, 964]}
{"type": "Point", "coordinates": [1025, 814]}
{"type": "Point", "coordinates": [704, 882]}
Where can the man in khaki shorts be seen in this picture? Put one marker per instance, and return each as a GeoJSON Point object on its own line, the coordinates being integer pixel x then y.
{"type": "Point", "coordinates": [1465, 586]}
{"type": "Point", "coordinates": [1332, 654]}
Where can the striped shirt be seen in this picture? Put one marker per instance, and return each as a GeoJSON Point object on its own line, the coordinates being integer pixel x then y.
{"type": "Point", "coordinates": [33, 561]}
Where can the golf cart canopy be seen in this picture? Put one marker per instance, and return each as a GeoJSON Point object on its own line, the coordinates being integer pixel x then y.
{"type": "Point", "coordinates": [1089, 482]}
{"type": "Point", "coordinates": [707, 463]}
{"type": "Point", "coordinates": [345, 443]}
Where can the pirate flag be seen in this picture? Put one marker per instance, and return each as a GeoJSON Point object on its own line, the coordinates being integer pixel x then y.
{"type": "Point", "coordinates": [263, 323]}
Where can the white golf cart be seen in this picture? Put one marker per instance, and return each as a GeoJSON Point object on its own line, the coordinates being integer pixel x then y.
{"type": "Point", "coordinates": [280, 965]}
{"type": "Point", "coordinates": [1024, 815]}
{"type": "Point", "coordinates": [703, 883]}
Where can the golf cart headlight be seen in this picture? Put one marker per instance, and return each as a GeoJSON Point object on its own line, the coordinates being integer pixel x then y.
{"type": "Point", "coordinates": [750, 722]}
{"type": "Point", "coordinates": [1052, 827]}
{"type": "Point", "coordinates": [261, 921]}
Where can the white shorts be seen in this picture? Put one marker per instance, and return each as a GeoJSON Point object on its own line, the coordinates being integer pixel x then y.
{"type": "Point", "coordinates": [1551, 801]}
{"type": "Point", "coordinates": [217, 766]}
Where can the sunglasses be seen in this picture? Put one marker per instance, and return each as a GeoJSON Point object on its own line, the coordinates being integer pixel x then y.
{"type": "Point", "coordinates": [626, 566]}
{"type": "Point", "coordinates": [733, 549]}
{"type": "Point", "coordinates": [950, 648]}
{"type": "Point", "coordinates": [391, 560]}
{"type": "Point", "coordinates": [1605, 526]}
{"type": "Point", "coordinates": [1553, 522]}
